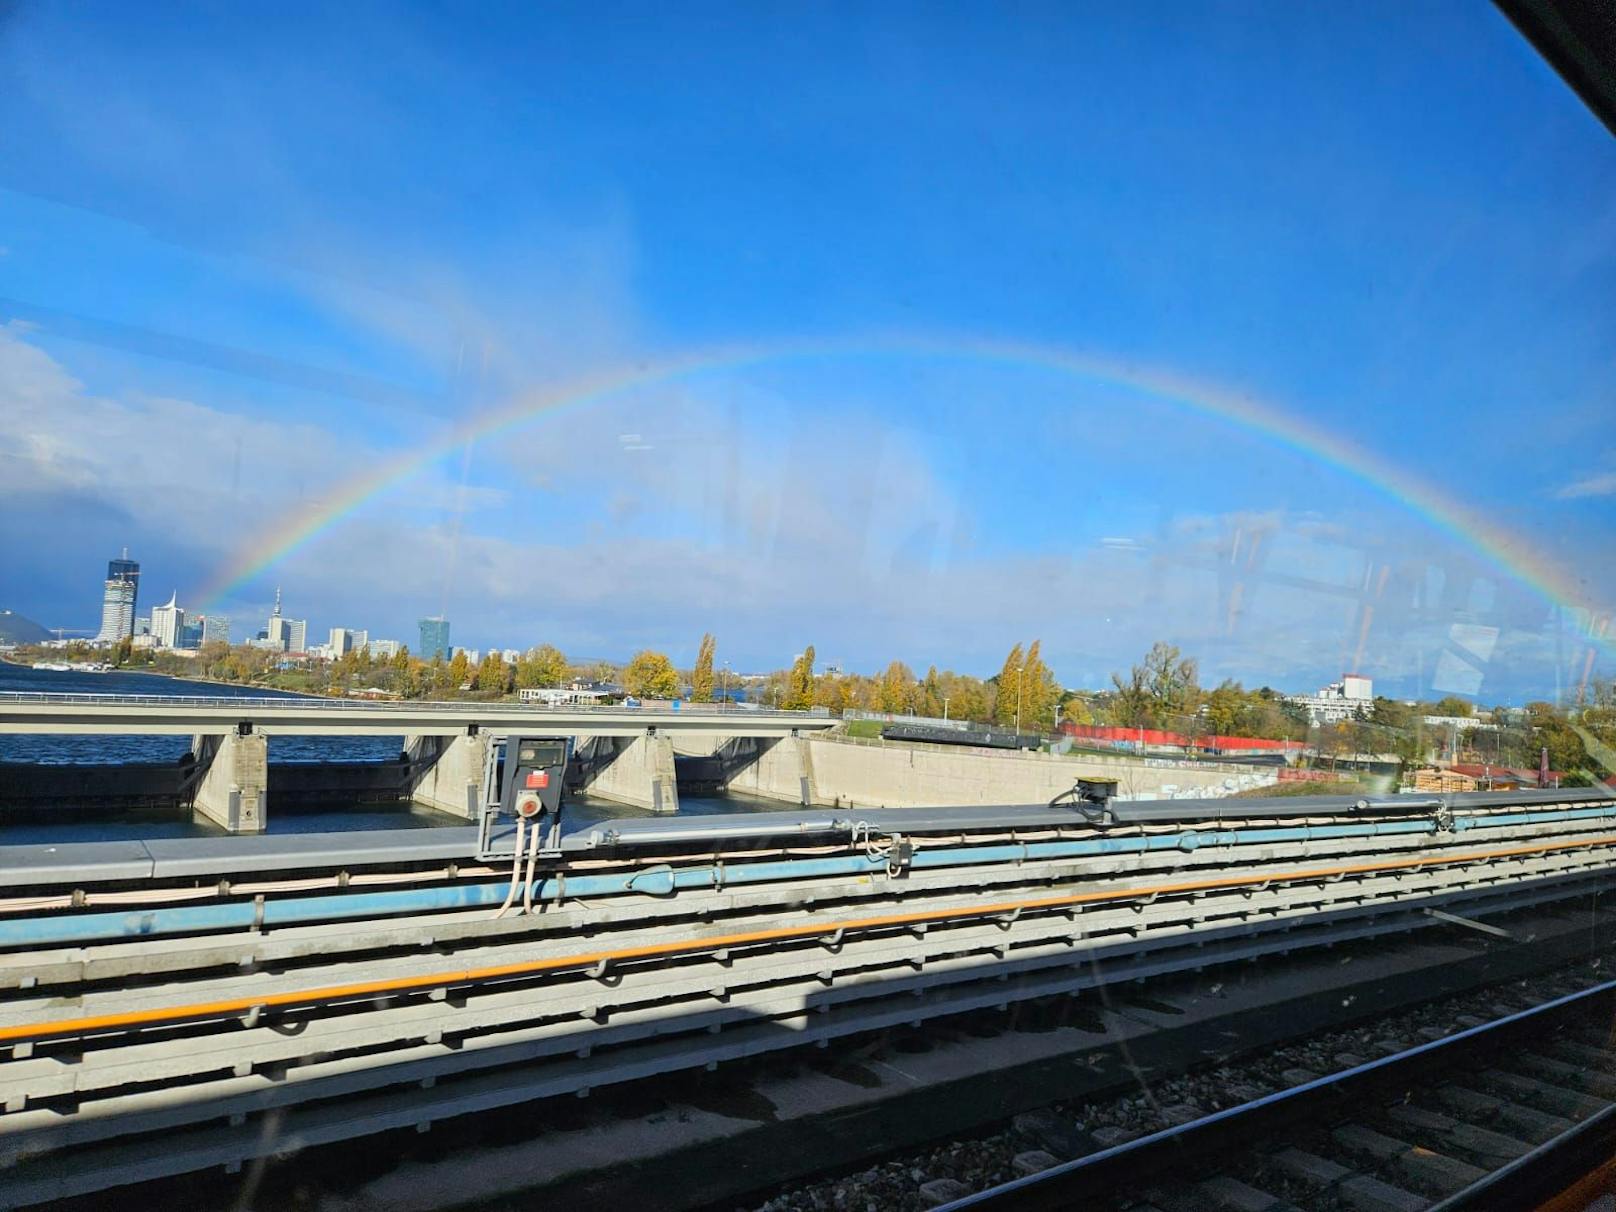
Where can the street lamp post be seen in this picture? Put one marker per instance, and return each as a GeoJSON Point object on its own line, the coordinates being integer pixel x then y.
{"type": "Point", "coordinates": [1019, 679]}
{"type": "Point", "coordinates": [945, 708]}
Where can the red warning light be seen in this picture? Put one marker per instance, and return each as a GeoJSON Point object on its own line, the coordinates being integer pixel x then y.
{"type": "Point", "coordinates": [528, 807]}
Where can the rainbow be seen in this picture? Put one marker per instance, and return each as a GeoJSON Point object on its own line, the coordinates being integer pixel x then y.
{"type": "Point", "coordinates": [1507, 552]}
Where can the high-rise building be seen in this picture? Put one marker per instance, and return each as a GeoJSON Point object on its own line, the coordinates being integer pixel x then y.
{"type": "Point", "coordinates": [166, 622]}
{"type": "Point", "coordinates": [344, 640]}
{"type": "Point", "coordinates": [190, 634]}
{"type": "Point", "coordinates": [215, 629]}
{"type": "Point", "coordinates": [434, 638]}
{"type": "Point", "coordinates": [118, 599]}
{"type": "Point", "coordinates": [290, 635]}
{"type": "Point", "coordinates": [385, 650]}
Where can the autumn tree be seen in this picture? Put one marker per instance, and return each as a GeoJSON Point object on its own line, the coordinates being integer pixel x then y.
{"type": "Point", "coordinates": [800, 684]}
{"type": "Point", "coordinates": [651, 675]}
{"type": "Point", "coordinates": [491, 674]}
{"type": "Point", "coordinates": [896, 686]}
{"type": "Point", "coordinates": [1009, 688]}
{"type": "Point", "coordinates": [1164, 685]}
{"type": "Point", "coordinates": [701, 678]}
{"type": "Point", "coordinates": [541, 666]}
{"type": "Point", "coordinates": [459, 670]}
{"type": "Point", "coordinates": [1039, 690]}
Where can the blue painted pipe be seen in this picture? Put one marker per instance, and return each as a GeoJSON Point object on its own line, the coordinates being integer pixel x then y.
{"type": "Point", "coordinates": [69, 928]}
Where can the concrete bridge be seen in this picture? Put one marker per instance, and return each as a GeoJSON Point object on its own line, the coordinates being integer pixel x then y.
{"type": "Point", "coordinates": [626, 752]}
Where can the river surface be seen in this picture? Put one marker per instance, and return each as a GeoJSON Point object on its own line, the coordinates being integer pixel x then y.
{"type": "Point", "coordinates": [139, 824]}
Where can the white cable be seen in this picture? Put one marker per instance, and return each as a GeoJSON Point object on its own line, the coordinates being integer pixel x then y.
{"type": "Point", "coordinates": [516, 868]}
{"type": "Point", "coordinates": [532, 862]}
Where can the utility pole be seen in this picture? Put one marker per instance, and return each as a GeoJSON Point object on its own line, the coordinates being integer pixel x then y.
{"type": "Point", "coordinates": [1020, 670]}
{"type": "Point", "coordinates": [945, 708]}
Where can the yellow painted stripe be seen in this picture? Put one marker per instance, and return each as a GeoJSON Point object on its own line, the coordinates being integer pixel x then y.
{"type": "Point", "coordinates": [165, 1015]}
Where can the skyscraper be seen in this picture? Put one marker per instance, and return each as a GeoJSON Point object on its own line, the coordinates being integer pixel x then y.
{"type": "Point", "coordinates": [215, 627]}
{"type": "Point", "coordinates": [118, 599]}
{"type": "Point", "coordinates": [434, 638]}
{"type": "Point", "coordinates": [166, 623]}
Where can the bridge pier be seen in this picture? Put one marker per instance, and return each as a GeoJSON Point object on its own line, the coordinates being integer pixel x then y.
{"type": "Point", "coordinates": [783, 770]}
{"type": "Point", "coordinates": [233, 791]}
{"type": "Point", "coordinates": [447, 771]}
{"type": "Point", "coordinates": [640, 774]}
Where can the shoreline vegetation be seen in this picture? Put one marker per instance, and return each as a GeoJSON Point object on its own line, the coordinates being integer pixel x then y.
{"type": "Point", "coordinates": [1162, 691]}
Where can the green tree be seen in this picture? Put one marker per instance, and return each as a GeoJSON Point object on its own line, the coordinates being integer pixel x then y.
{"type": "Point", "coordinates": [1452, 705]}
{"type": "Point", "coordinates": [1224, 708]}
{"type": "Point", "coordinates": [701, 678]}
{"type": "Point", "coordinates": [651, 675]}
{"type": "Point", "coordinates": [491, 674]}
{"type": "Point", "coordinates": [1009, 686]}
{"type": "Point", "coordinates": [799, 694]}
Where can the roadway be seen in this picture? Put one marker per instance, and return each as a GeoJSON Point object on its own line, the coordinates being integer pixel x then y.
{"type": "Point", "coordinates": [165, 715]}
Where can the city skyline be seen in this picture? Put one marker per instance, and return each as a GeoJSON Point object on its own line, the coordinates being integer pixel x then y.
{"type": "Point", "coordinates": [1271, 337]}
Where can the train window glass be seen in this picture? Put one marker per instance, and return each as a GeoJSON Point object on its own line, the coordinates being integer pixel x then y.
{"type": "Point", "coordinates": [1018, 515]}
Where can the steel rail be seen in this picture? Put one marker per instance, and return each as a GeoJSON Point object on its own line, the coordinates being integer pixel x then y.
{"type": "Point", "coordinates": [93, 1024]}
{"type": "Point", "coordinates": [1112, 1169]}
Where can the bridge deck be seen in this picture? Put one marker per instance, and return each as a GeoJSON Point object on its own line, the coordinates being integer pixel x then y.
{"type": "Point", "coordinates": [162, 715]}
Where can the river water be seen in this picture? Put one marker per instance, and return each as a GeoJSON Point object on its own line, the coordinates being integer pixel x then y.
{"type": "Point", "coordinates": [148, 823]}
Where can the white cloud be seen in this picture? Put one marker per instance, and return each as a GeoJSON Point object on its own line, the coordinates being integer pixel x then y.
{"type": "Point", "coordinates": [1599, 484]}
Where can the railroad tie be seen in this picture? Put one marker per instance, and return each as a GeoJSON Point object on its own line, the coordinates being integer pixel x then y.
{"type": "Point", "coordinates": [1425, 1167]}
{"type": "Point", "coordinates": [1360, 1192]}
{"type": "Point", "coordinates": [1468, 1138]}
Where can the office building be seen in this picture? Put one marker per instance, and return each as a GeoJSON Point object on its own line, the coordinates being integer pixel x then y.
{"type": "Point", "coordinates": [166, 622]}
{"type": "Point", "coordinates": [1351, 697]}
{"type": "Point", "coordinates": [215, 629]}
{"type": "Point", "coordinates": [118, 600]}
{"type": "Point", "coordinates": [289, 635]}
{"type": "Point", "coordinates": [385, 650]}
{"type": "Point", "coordinates": [347, 639]}
{"type": "Point", "coordinates": [434, 639]}
{"type": "Point", "coordinates": [190, 634]}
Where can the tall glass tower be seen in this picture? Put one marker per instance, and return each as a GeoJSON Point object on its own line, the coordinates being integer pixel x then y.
{"type": "Point", "coordinates": [118, 599]}
{"type": "Point", "coordinates": [434, 638]}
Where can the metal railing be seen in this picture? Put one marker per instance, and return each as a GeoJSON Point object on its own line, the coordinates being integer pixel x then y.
{"type": "Point", "coordinates": [401, 706]}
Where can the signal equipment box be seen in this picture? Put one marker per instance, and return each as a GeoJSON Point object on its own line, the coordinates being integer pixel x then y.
{"type": "Point", "coordinates": [529, 776]}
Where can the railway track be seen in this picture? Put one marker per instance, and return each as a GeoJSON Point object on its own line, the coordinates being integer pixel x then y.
{"type": "Point", "coordinates": [1509, 1113]}
{"type": "Point", "coordinates": [340, 1021]}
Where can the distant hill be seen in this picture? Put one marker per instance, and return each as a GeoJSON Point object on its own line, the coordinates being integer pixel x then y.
{"type": "Point", "coordinates": [16, 629]}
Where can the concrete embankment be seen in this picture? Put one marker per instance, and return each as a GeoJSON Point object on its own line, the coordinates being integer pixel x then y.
{"type": "Point", "coordinates": [842, 771]}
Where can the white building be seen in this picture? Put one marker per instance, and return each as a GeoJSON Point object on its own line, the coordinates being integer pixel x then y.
{"type": "Point", "coordinates": [166, 621]}
{"type": "Point", "coordinates": [552, 697]}
{"type": "Point", "coordinates": [1338, 701]}
{"type": "Point", "coordinates": [215, 629]}
{"type": "Point", "coordinates": [289, 635]}
{"type": "Point", "coordinates": [347, 639]}
{"type": "Point", "coordinates": [117, 612]}
{"type": "Point", "coordinates": [385, 650]}
{"type": "Point", "coordinates": [511, 655]}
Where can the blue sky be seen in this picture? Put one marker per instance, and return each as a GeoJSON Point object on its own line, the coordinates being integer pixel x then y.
{"type": "Point", "coordinates": [244, 258]}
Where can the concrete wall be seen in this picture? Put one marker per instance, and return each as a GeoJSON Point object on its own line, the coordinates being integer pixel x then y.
{"type": "Point", "coordinates": [232, 793]}
{"type": "Point", "coordinates": [785, 771]}
{"type": "Point", "coordinates": [893, 774]}
{"type": "Point", "coordinates": [641, 775]}
{"type": "Point", "coordinates": [449, 771]}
